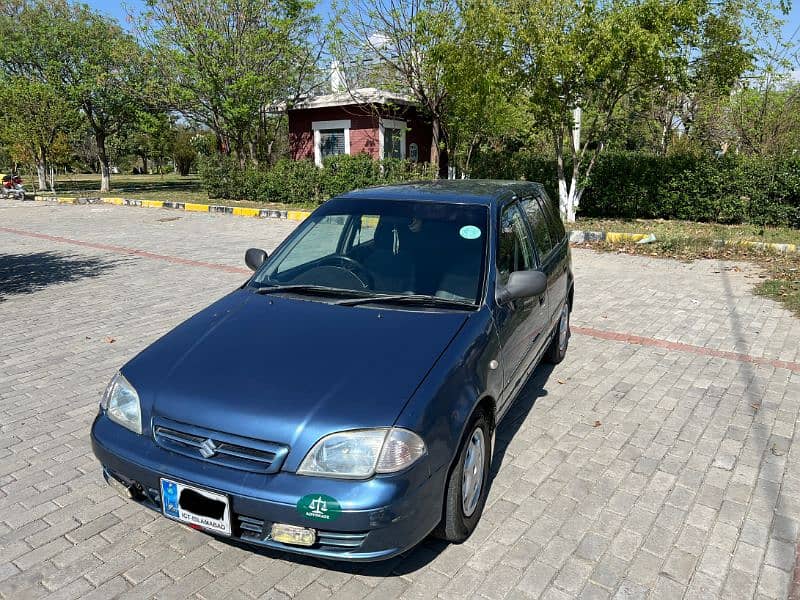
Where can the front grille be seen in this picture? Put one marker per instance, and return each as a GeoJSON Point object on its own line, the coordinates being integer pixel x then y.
{"type": "Point", "coordinates": [224, 449]}
{"type": "Point", "coordinates": [257, 530]}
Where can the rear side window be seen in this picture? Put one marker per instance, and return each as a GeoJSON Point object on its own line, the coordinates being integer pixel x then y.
{"type": "Point", "coordinates": [539, 225]}
{"type": "Point", "coordinates": [556, 227]}
{"type": "Point", "coordinates": [514, 252]}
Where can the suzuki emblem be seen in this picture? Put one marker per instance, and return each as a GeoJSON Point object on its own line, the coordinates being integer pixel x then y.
{"type": "Point", "coordinates": [208, 448]}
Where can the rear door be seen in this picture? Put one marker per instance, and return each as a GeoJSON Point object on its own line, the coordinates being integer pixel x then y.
{"type": "Point", "coordinates": [520, 323]}
{"type": "Point", "coordinates": [551, 250]}
{"type": "Point", "coordinates": [561, 254]}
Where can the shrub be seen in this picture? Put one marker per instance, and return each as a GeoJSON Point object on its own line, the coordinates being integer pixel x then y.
{"type": "Point", "coordinates": [221, 177]}
{"type": "Point", "coordinates": [343, 173]}
{"type": "Point", "coordinates": [730, 189]}
{"type": "Point", "coordinates": [300, 181]}
{"type": "Point", "coordinates": [397, 170]}
{"type": "Point", "coordinates": [291, 181]}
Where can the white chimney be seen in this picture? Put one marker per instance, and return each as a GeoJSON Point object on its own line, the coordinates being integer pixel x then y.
{"type": "Point", "coordinates": [338, 83]}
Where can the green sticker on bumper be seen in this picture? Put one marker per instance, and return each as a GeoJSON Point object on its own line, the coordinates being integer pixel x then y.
{"type": "Point", "coordinates": [319, 507]}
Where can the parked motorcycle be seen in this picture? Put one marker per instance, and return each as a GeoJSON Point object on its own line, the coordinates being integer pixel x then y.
{"type": "Point", "coordinates": [12, 187]}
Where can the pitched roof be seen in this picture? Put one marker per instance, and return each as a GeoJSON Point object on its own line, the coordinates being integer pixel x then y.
{"type": "Point", "coordinates": [353, 97]}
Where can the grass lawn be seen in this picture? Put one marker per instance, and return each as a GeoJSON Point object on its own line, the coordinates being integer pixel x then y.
{"type": "Point", "coordinates": [169, 187]}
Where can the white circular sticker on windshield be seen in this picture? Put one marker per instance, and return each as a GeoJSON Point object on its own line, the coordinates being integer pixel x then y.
{"type": "Point", "coordinates": [470, 232]}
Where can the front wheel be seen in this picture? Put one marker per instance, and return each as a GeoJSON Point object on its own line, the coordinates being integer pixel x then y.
{"type": "Point", "coordinates": [558, 347]}
{"type": "Point", "coordinates": [468, 483]}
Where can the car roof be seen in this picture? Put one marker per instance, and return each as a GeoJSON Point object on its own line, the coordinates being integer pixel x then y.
{"type": "Point", "coordinates": [460, 191]}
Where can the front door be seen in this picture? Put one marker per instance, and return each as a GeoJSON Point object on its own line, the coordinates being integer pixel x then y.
{"type": "Point", "coordinates": [520, 323]}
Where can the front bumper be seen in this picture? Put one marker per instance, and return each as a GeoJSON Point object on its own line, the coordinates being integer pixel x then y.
{"type": "Point", "coordinates": [380, 518]}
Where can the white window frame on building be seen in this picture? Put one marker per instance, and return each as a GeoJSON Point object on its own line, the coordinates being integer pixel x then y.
{"type": "Point", "coordinates": [320, 126]}
{"type": "Point", "coordinates": [402, 126]}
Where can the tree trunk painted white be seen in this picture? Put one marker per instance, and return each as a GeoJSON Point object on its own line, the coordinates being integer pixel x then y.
{"type": "Point", "coordinates": [105, 163]}
{"type": "Point", "coordinates": [105, 177]}
{"type": "Point", "coordinates": [41, 175]}
{"type": "Point", "coordinates": [569, 198]}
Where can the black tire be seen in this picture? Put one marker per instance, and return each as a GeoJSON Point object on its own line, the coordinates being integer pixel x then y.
{"type": "Point", "coordinates": [557, 349]}
{"type": "Point", "coordinates": [456, 526]}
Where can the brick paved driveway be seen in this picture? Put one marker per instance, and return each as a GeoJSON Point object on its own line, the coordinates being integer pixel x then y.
{"type": "Point", "coordinates": [657, 460]}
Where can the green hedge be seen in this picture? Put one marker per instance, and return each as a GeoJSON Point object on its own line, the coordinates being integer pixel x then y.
{"type": "Point", "coordinates": [300, 181]}
{"type": "Point", "coordinates": [731, 189]}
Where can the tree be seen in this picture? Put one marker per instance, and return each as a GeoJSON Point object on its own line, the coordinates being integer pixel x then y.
{"type": "Point", "coordinates": [765, 120]}
{"type": "Point", "coordinates": [86, 57]}
{"type": "Point", "coordinates": [578, 59]}
{"type": "Point", "coordinates": [150, 137]}
{"type": "Point", "coordinates": [223, 62]}
{"type": "Point", "coordinates": [35, 118]}
{"type": "Point", "coordinates": [481, 105]}
{"type": "Point", "coordinates": [407, 45]}
{"type": "Point", "coordinates": [183, 152]}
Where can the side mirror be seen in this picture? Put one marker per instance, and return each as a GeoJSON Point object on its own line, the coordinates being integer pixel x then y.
{"type": "Point", "coordinates": [523, 284]}
{"type": "Point", "coordinates": [254, 258]}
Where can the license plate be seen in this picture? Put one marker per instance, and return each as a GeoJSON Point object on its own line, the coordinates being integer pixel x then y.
{"type": "Point", "coordinates": [196, 506]}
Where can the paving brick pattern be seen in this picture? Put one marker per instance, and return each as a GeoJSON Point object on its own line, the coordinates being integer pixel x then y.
{"type": "Point", "coordinates": [628, 471]}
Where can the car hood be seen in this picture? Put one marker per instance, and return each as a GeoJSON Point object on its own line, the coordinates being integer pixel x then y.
{"type": "Point", "coordinates": [290, 370]}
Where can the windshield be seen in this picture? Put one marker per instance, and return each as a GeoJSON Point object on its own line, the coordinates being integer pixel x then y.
{"type": "Point", "coordinates": [373, 247]}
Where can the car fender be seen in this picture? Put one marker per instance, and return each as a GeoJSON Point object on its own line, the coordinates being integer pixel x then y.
{"type": "Point", "coordinates": [461, 379]}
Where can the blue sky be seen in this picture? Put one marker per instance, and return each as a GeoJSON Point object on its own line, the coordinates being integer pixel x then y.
{"type": "Point", "coordinates": [120, 10]}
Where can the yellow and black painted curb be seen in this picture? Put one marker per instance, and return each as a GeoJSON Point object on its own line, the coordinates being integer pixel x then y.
{"type": "Point", "coordinates": [239, 211]}
{"type": "Point", "coordinates": [582, 237]}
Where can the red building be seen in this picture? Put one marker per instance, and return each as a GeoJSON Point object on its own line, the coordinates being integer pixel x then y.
{"type": "Point", "coordinates": [366, 120]}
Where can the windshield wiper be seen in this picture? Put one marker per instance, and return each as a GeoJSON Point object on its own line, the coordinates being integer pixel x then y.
{"type": "Point", "coordinates": [417, 299]}
{"type": "Point", "coordinates": [317, 290]}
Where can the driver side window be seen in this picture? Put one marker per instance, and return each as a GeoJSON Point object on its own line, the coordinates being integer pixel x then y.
{"type": "Point", "coordinates": [514, 251]}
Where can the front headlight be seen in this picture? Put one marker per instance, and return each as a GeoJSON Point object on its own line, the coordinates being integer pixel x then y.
{"type": "Point", "coordinates": [121, 403]}
{"type": "Point", "coordinates": [361, 453]}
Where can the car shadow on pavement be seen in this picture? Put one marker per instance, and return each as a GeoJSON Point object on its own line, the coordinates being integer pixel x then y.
{"type": "Point", "coordinates": [533, 389]}
{"type": "Point", "coordinates": [430, 548]}
{"type": "Point", "coordinates": [29, 273]}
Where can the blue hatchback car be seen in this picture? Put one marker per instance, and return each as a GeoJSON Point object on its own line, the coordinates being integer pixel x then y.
{"type": "Point", "coordinates": [342, 402]}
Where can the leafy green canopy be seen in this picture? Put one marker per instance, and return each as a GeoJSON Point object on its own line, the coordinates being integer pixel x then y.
{"type": "Point", "coordinates": [80, 56]}
{"type": "Point", "coordinates": [224, 63]}
{"type": "Point", "coordinates": [35, 123]}
{"type": "Point", "coordinates": [584, 65]}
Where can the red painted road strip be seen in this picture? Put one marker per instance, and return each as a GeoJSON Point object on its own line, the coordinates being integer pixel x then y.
{"type": "Point", "coordinates": [794, 592]}
{"type": "Point", "coordinates": [680, 347]}
{"type": "Point", "coordinates": [122, 250]}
